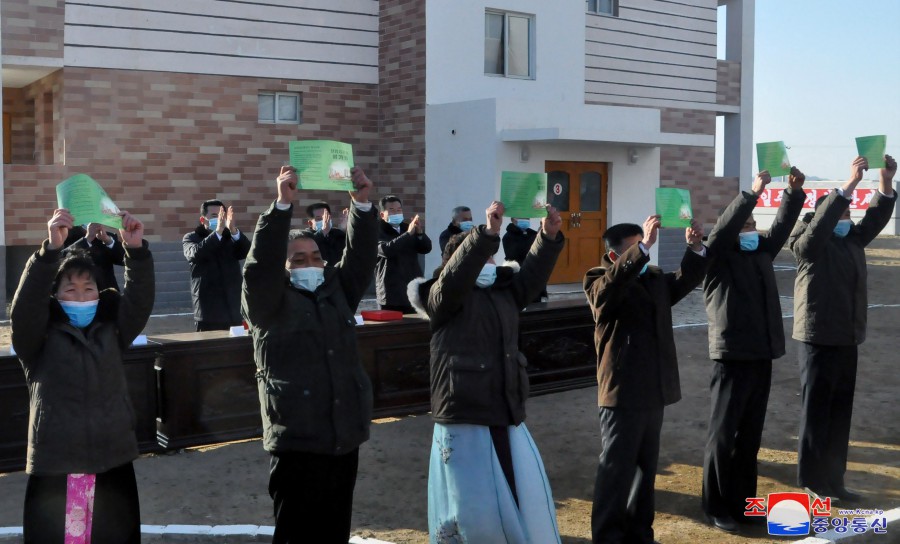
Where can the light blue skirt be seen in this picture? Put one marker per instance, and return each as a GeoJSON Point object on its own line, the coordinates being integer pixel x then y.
{"type": "Point", "coordinates": [469, 500]}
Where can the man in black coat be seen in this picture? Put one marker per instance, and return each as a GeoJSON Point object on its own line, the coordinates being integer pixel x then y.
{"type": "Point", "coordinates": [399, 247]}
{"type": "Point", "coordinates": [104, 248]}
{"type": "Point", "coordinates": [214, 251]}
{"type": "Point", "coordinates": [830, 303]}
{"type": "Point", "coordinates": [330, 239]}
{"type": "Point", "coordinates": [459, 223]}
{"type": "Point", "coordinates": [637, 371]}
{"type": "Point", "coordinates": [746, 332]}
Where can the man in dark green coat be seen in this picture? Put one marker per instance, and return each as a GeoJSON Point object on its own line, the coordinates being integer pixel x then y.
{"type": "Point", "coordinates": [830, 322]}
{"type": "Point", "coordinates": [315, 397]}
{"type": "Point", "coordinates": [745, 334]}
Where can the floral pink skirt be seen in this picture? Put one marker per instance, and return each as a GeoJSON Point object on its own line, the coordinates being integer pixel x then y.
{"type": "Point", "coordinates": [79, 507]}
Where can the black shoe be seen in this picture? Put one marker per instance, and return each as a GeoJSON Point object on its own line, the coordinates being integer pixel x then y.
{"type": "Point", "coordinates": [846, 495]}
{"type": "Point", "coordinates": [822, 494]}
{"type": "Point", "coordinates": [725, 523]}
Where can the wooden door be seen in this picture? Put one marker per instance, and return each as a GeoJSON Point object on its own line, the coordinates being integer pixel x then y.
{"type": "Point", "coordinates": [578, 190]}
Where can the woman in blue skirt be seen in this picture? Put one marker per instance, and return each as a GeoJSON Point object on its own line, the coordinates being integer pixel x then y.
{"type": "Point", "coordinates": [486, 480]}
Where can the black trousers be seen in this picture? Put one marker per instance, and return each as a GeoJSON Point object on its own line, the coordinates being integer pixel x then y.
{"type": "Point", "coordinates": [739, 393]}
{"type": "Point", "coordinates": [117, 512]}
{"type": "Point", "coordinates": [828, 381]}
{"type": "Point", "coordinates": [623, 507]}
{"type": "Point", "coordinates": [313, 496]}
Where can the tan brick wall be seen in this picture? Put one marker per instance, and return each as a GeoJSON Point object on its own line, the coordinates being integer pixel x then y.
{"type": "Point", "coordinates": [687, 121]}
{"type": "Point", "coordinates": [36, 133]}
{"type": "Point", "coordinates": [32, 28]}
{"type": "Point", "coordinates": [692, 168]}
{"type": "Point", "coordinates": [728, 84]}
{"type": "Point", "coordinates": [402, 89]}
{"type": "Point", "coordinates": [161, 143]}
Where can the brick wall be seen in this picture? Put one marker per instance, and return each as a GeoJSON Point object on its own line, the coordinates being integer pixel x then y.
{"type": "Point", "coordinates": [402, 92]}
{"type": "Point", "coordinates": [32, 28]}
{"type": "Point", "coordinates": [161, 143]}
{"type": "Point", "coordinates": [728, 85]}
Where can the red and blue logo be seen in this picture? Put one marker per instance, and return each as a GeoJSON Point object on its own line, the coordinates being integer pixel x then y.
{"type": "Point", "coordinates": [788, 513]}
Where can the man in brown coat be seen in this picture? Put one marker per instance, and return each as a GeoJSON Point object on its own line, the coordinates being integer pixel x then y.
{"type": "Point", "coordinates": [637, 371]}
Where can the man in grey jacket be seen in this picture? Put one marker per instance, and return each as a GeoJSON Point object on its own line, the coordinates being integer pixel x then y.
{"type": "Point", "coordinates": [745, 334]}
{"type": "Point", "coordinates": [830, 322]}
{"type": "Point", "coordinates": [315, 397]}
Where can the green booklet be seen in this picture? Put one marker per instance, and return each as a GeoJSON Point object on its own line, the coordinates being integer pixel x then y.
{"type": "Point", "coordinates": [524, 194]}
{"type": "Point", "coordinates": [323, 164]}
{"type": "Point", "coordinates": [772, 156]}
{"type": "Point", "coordinates": [87, 202]}
{"type": "Point", "coordinates": [674, 205]}
{"type": "Point", "coordinates": [872, 148]}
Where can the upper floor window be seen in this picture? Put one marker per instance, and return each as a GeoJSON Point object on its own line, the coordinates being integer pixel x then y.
{"type": "Point", "coordinates": [279, 108]}
{"type": "Point", "coordinates": [606, 7]}
{"type": "Point", "coordinates": [509, 44]}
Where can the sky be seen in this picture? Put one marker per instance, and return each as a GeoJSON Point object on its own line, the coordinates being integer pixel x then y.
{"type": "Point", "coordinates": [826, 71]}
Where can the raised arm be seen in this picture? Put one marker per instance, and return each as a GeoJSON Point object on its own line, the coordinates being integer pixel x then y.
{"type": "Point", "coordinates": [29, 312]}
{"type": "Point", "coordinates": [139, 292]}
{"type": "Point", "coordinates": [693, 264]}
{"type": "Point", "coordinates": [360, 254]}
{"type": "Point", "coordinates": [724, 234]}
{"type": "Point", "coordinates": [264, 270]}
{"type": "Point", "coordinates": [881, 207]}
{"type": "Point", "coordinates": [788, 212]}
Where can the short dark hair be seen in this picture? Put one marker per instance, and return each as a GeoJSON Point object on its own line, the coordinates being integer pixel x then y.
{"type": "Point", "coordinates": [204, 208]}
{"type": "Point", "coordinates": [297, 234]}
{"type": "Point", "coordinates": [615, 234]}
{"type": "Point", "coordinates": [311, 209]}
{"type": "Point", "coordinates": [450, 248]}
{"type": "Point", "coordinates": [460, 209]}
{"type": "Point", "coordinates": [821, 200]}
{"type": "Point", "coordinates": [390, 198]}
{"type": "Point", "coordinates": [76, 263]}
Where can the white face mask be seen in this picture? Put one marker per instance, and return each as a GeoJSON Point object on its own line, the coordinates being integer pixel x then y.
{"type": "Point", "coordinates": [308, 278]}
{"type": "Point", "coordinates": [487, 276]}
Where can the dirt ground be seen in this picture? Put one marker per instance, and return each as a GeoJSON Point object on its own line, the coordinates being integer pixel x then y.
{"type": "Point", "coordinates": [226, 484]}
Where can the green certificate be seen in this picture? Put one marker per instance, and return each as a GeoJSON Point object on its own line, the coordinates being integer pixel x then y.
{"type": "Point", "coordinates": [872, 148]}
{"type": "Point", "coordinates": [323, 164]}
{"type": "Point", "coordinates": [772, 156]}
{"type": "Point", "coordinates": [524, 194]}
{"type": "Point", "coordinates": [674, 205]}
{"type": "Point", "coordinates": [87, 202]}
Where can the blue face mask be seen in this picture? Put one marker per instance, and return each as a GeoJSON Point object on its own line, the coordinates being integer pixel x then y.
{"type": "Point", "coordinates": [320, 224]}
{"type": "Point", "coordinates": [523, 224]}
{"type": "Point", "coordinates": [81, 314]}
{"type": "Point", "coordinates": [842, 228]}
{"type": "Point", "coordinates": [749, 241]}
{"type": "Point", "coordinates": [308, 278]}
{"type": "Point", "coordinates": [213, 223]}
{"type": "Point", "coordinates": [466, 226]}
{"type": "Point", "coordinates": [487, 276]}
{"type": "Point", "coordinates": [395, 219]}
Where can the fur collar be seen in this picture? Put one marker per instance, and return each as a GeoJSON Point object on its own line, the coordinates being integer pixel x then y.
{"type": "Point", "coordinates": [417, 290]}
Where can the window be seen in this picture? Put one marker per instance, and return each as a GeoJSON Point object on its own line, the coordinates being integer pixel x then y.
{"type": "Point", "coordinates": [605, 7]}
{"type": "Point", "coordinates": [279, 108]}
{"type": "Point", "coordinates": [508, 44]}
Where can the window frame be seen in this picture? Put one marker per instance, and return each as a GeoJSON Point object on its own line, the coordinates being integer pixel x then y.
{"type": "Point", "coordinates": [614, 12]}
{"type": "Point", "coordinates": [532, 50]}
{"type": "Point", "coordinates": [276, 95]}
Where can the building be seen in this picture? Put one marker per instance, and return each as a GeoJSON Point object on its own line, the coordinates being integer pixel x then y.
{"type": "Point", "coordinates": [169, 103]}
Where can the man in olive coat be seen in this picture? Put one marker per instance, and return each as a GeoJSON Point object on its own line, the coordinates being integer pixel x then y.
{"type": "Point", "coordinates": [315, 397]}
{"type": "Point", "coordinates": [746, 332]}
{"type": "Point", "coordinates": [637, 371]}
{"type": "Point", "coordinates": [830, 322]}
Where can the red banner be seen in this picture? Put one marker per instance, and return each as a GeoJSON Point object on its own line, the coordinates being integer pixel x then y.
{"type": "Point", "coordinates": [771, 198]}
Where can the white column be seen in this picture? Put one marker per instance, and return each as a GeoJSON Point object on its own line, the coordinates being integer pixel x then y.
{"type": "Point", "coordinates": [740, 25]}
